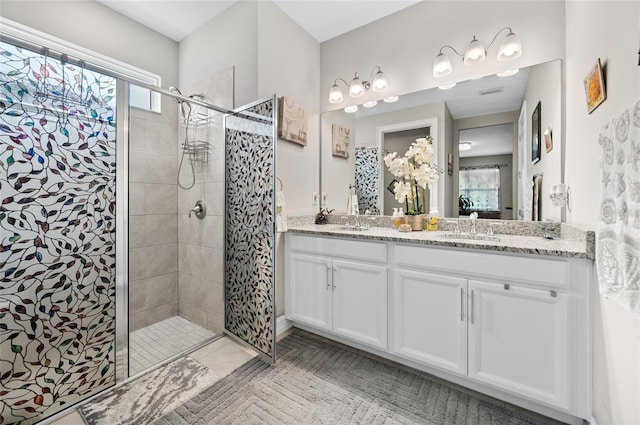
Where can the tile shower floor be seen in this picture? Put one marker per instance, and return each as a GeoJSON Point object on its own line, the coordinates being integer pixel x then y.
{"type": "Point", "coordinates": [151, 345]}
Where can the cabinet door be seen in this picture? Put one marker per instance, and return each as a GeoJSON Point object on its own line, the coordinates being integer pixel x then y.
{"type": "Point", "coordinates": [309, 291]}
{"type": "Point", "coordinates": [360, 302]}
{"type": "Point", "coordinates": [518, 341]}
{"type": "Point", "coordinates": [430, 324]}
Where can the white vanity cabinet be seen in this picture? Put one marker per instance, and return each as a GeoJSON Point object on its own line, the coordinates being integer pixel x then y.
{"type": "Point", "coordinates": [330, 287]}
{"type": "Point", "coordinates": [510, 325]}
{"type": "Point", "coordinates": [519, 340]}
{"type": "Point", "coordinates": [429, 319]}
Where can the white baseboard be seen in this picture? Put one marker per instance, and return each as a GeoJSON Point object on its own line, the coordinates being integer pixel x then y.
{"type": "Point", "coordinates": [282, 324]}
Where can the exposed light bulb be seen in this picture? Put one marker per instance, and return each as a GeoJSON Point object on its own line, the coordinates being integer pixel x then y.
{"type": "Point", "coordinates": [351, 109]}
{"type": "Point", "coordinates": [370, 104]}
{"type": "Point", "coordinates": [391, 99]}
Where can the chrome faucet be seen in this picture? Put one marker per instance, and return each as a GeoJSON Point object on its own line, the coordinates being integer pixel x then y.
{"type": "Point", "coordinates": [456, 228]}
{"type": "Point", "coordinates": [473, 217]}
{"type": "Point", "coordinates": [200, 210]}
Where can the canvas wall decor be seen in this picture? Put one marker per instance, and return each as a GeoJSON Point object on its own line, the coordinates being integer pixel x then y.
{"type": "Point", "coordinates": [594, 87]}
{"type": "Point", "coordinates": [292, 121]}
{"type": "Point", "coordinates": [341, 138]}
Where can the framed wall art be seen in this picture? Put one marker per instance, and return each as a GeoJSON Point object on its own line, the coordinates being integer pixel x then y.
{"type": "Point", "coordinates": [292, 121]}
{"type": "Point", "coordinates": [340, 140]}
{"type": "Point", "coordinates": [594, 87]}
{"type": "Point", "coordinates": [536, 134]}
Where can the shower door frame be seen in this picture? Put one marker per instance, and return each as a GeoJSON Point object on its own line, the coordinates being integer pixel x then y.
{"type": "Point", "coordinates": [271, 357]}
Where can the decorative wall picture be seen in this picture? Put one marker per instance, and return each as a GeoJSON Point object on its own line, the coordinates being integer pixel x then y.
{"type": "Point", "coordinates": [548, 139]}
{"type": "Point", "coordinates": [341, 137]}
{"type": "Point", "coordinates": [594, 87]}
{"type": "Point", "coordinates": [292, 121]}
{"type": "Point", "coordinates": [536, 134]}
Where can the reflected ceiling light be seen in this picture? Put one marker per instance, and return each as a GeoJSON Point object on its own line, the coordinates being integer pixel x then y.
{"type": "Point", "coordinates": [377, 83]}
{"type": "Point", "coordinates": [464, 146]}
{"type": "Point", "coordinates": [391, 99]}
{"type": "Point", "coordinates": [351, 109]}
{"type": "Point", "coordinates": [508, 72]}
{"type": "Point", "coordinates": [447, 86]}
{"type": "Point", "coordinates": [475, 53]}
{"type": "Point", "coordinates": [370, 104]}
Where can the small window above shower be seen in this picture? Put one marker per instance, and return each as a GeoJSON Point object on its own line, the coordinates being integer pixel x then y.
{"type": "Point", "coordinates": [143, 98]}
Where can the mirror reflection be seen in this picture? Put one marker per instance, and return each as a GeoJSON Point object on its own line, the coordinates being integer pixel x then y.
{"type": "Point", "coordinates": [482, 131]}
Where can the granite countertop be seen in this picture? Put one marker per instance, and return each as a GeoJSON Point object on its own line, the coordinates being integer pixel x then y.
{"type": "Point", "coordinates": [574, 248]}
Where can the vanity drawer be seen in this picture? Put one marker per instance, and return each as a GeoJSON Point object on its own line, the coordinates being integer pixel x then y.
{"type": "Point", "coordinates": [343, 248]}
{"type": "Point", "coordinates": [500, 266]}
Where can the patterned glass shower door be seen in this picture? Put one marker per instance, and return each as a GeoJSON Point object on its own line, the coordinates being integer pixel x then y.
{"type": "Point", "coordinates": [249, 225]}
{"type": "Point", "coordinates": [57, 217]}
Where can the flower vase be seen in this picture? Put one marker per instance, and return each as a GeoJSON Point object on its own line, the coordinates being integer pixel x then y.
{"type": "Point", "coordinates": [415, 221]}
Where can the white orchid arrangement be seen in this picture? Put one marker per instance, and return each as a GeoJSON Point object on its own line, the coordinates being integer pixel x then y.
{"type": "Point", "coordinates": [416, 171]}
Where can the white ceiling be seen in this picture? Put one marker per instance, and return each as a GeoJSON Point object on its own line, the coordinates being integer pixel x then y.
{"type": "Point", "coordinates": [485, 141]}
{"type": "Point", "coordinates": [323, 19]}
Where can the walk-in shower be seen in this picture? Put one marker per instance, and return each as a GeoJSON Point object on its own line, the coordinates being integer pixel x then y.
{"type": "Point", "coordinates": [105, 270]}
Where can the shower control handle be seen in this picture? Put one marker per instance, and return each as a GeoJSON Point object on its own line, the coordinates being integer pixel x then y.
{"type": "Point", "coordinates": [200, 210]}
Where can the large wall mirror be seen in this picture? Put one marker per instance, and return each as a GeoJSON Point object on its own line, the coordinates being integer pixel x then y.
{"type": "Point", "coordinates": [482, 139]}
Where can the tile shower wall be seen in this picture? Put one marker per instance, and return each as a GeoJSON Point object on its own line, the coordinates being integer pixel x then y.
{"type": "Point", "coordinates": [200, 242]}
{"type": "Point", "coordinates": [153, 221]}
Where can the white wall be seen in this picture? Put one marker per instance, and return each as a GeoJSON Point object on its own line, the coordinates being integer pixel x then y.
{"type": "Point", "coordinates": [93, 26]}
{"type": "Point", "coordinates": [545, 86]}
{"type": "Point", "coordinates": [406, 43]}
{"type": "Point", "coordinates": [289, 65]}
{"type": "Point", "coordinates": [229, 39]}
{"type": "Point", "coordinates": [609, 30]}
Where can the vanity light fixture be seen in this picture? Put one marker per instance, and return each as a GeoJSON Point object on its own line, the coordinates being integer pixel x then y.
{"type": "Point", "coordinates": [508, 72]}
{"type": "Point", "coordinates": [510, 48]}
{"type": "Point", "coordinates": [351, 109]}
{"type": "Point", "coordinates": [377, 83]}
{"type": "Point", "coordinates": [464, 146]}
{"type": "Point", "coordinates": [391, 99]}
{"type": "Point", "coordinates": [447, 86]}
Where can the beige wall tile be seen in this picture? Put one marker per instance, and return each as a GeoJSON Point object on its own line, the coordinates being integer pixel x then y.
{"type": "Point", "coordinates": [215, 193]}
{"type": "Point", "coordinates": [161, 138]}
{"type": "Point", "coordinates": [161, 168]}
{"type": "Point", "coordinates": [161, 259]}
{"type": "Point", "coordinates": [137, 198]}
{"type": "Point", "coordinates": [137, 320]}
{"type": "Point", "coordinates": [161, 290]}
{"type": "Point", "coordinates": [161, 229]}
{"type": "Point", "coordinates": [161, 199]}
{"type": "Point", "coordinates": [137, 166]}
{"type": "Point", "coordinates": [201, 262]}
{"type": "Point", "coordinates": [193, 290]}
{"type": "Point", "coordinates": [137, 296]}
{"type": "Point", "coordinates": [212, 232]}
{"type": "Point", "coordinates": [137, 263]}
{"type": "Point", "coordinates": [136, 134]}
{"type": "Point", "coordinates": [193, 314]}
{"type": "Point", "coordinates": [157, 314]}
{"type": "Point", "coordinates": [137, 231]}
{"type": "Point", "coordinates": [215, 321]}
